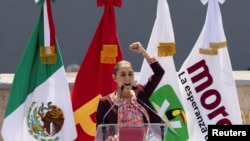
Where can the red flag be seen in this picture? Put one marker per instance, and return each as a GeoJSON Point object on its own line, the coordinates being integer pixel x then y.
{"type": "Point", "coordinates": [94, 78]}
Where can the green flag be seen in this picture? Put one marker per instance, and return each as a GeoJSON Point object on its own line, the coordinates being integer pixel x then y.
{"type": "Point", "coordinates": [39, 106]}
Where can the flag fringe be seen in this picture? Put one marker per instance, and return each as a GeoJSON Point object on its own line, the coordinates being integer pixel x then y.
{"type": "Point", "coordinates": [208, 51]}
{"type": "Point", "coordinates": [218, 45]}
{"type": "Point", "coordinates": [109, 54]}
{"type": "Point", "coordinates": [166, 49]}
{"type": "Point", "coordinates": [48, 55]}
{"type": "Point", "coordinates": [214, 46]}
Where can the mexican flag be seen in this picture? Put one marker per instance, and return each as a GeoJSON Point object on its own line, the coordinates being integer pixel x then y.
{"type": "Point", "coordinates": [206, 79]}
{"type": "Point", "coordinates": [39, 106]}
{"type": "Point", "coordinates": [94, 78]}
{"type": "Point", "coordinates": [166, 98]}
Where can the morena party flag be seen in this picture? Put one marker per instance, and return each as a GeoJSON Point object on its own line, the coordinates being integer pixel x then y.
{"type": "Point", "coordinates": [94, 78]}
{"type": "Point", "coordinates": [166, 97]}
{"type": "Point", "coordinates": [39, 106]}
{"type": "Point", "coordinates": [206, 79]}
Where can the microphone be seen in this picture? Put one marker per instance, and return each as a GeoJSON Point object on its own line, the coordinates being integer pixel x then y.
{"type": "Point", "coordinates": [112, 106]}
{"type": "Point", "coordinates": [122, 87]}
{"type": "Point", "coordinates": [162, 126]}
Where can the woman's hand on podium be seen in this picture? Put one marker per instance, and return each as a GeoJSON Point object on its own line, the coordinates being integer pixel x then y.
{"type": "Point", "coordinates": [112, 138]}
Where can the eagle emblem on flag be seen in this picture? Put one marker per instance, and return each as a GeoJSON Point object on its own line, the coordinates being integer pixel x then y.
{"type": "Point", "coordinates": [45, 121]}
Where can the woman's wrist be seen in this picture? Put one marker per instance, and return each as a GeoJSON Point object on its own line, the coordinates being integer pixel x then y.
{"type": "Point", "coordinates": [148, 57]}
{"type": "Point", "coordinates": [145, 55]}
{"type": "Point", "coordinates": [142, 53]}
{"type": "Point", "coordinates": [151, 60]}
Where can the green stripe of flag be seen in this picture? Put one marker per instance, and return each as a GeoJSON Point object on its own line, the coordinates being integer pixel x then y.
{"type": "Point", "coordinates": [30, 72]}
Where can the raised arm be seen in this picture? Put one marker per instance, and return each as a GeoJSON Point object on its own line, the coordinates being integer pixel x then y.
{"type": "Point", "coordinates": [158, 71]}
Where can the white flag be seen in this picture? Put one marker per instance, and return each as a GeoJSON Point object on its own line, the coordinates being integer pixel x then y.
{"type": "Point", "coordinates": [166, 95]}
{"type": "Point", "coordinates": [206, 79]}
{"type": "Point", "coordinates": [39, 106]}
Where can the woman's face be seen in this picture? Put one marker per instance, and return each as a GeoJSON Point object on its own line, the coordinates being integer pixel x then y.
{"type": "Point", "coordinates": [124, 76]}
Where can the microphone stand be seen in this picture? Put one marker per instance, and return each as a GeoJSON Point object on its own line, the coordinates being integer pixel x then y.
{"type": "Point", "coordinates": [161, 126]}
{"type": "Point", "coordinates": [103, 127]}
{"type": "Point", "coordinates": [162, 131]}
{"type": "Point", "coordinates": [103, 133]}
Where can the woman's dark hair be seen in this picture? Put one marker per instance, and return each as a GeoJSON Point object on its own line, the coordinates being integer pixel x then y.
{"type": "Point", "coordinates": [118, 64]}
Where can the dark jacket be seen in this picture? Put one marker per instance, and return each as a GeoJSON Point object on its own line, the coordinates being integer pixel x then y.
{"type": "Point", "coordinates": [143, 93]}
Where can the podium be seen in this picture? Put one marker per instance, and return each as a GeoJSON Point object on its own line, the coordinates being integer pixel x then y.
{"type": "Point", "coordinates": [141, 132]}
